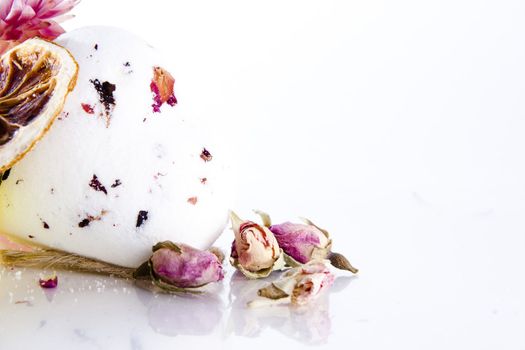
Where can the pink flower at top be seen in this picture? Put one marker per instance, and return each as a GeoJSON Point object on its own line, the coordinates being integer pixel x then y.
{"type": "Point", "coordinates": [25, 19]}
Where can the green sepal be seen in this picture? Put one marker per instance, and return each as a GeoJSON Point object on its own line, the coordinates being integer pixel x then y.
{"type": "Point", "coordinates": [272, 292]}
{"type": "Point", "coordinates": [167, 244]}
{"type": "Point", "coordinates": [321, 253]}
{"type": "Point", "coordinates": [291, 262]}
{"type": "Point", "coordinates": [265, 217]}
{"type": "Point", "coordinates": [309, 222]}
{"type": "Point", "coordinates": [218, 253]}
{"type": "Point", "coordinates": [169, 288]}
{"type": "Point", "coordinates": [251, 274]}
{"type": "Point", "coordinates": [278, 264]}
{"type": "Point", "coordinates": [143, 272]}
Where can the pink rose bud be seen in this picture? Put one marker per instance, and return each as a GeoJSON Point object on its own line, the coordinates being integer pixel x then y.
{"type": "Point", "coordinates": [311, 281]}
{"type": "Point", "coordinates": [297, 286]}
{"type": "Point", "coordinates": [254, 248]}
{"type": "Point", "coordinates": [185, 267]}
{"type": "Point", "coordinates": [302, 242]}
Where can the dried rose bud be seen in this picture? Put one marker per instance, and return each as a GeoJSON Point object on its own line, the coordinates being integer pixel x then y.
{"type": "Point", "coordinates": [185, 267]}
{"type": "Point", "coordinates": [50, 282]}
{"type": "Point", "coordinates": [302, 242]}
{"type": "Point", "coordinates": [255, 251]}
{"type": "Point", "coordinates": [311, 281]}
{"type": "Point", "coordinates": [297, 286]}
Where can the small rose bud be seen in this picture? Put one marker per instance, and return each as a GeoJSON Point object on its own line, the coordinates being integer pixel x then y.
{"type": "Point", "coordinates": [302, 242]}
{"type": "Point", "coordinates": [183, 266]}
{"type": "Point", "coordinates": [312, 280]}
{"type": "Point", "coordinates": [306, 242]}
{"type": "Point", "coordinates": [255, 250]}
{"type": "Point", "coordinates": [297, 286]}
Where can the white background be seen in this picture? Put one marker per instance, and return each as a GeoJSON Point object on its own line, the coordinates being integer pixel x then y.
{"type": "Point", "coordinates": [397, 125]}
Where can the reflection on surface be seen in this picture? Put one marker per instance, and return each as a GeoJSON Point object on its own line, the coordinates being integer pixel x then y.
{"type": "Point", "coordinates": [183, 315]}
{"type": "Point", "coordinates": [90, 310]}
{"type": "Point", "coordinates": [308, 324]}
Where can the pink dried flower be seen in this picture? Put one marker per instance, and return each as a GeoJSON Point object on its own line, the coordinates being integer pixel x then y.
{"type": "Point", "coordinates": [186, 267]}
{"type": "Point", "coordinates": [255, 250]}
{"type": "Point", "coordinates": [311, 281]}
{"type": "Point", "coordinates": [25, 19]}
{"type": "Point", "coordinates": [301, 242]}
{"type": "Point", "coordinates": [298, 286]}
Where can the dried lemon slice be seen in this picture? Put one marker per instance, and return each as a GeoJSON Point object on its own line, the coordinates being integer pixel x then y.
{"type": "Point", "coordinates": [35, 79]}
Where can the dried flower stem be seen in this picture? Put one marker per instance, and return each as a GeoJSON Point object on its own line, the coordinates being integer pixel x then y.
{"type": "Point", "coordinates": [56, 259]}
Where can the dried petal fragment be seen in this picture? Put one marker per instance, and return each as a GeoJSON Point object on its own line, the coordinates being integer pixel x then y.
{"type": "Point", "coordinates": [162, 88]}
{"type": "Point", "coordinates": [117, 183]}
{"type": "Point", "coordinates": [87, 108]}
{"type": "Point", "coordinates": [85, 222]}
{"type": "Point", "coordinates": [297, 286]}
{"type": "Point", "coordinates": [141, 217]}
{"type": "Point", "coordinates": [105, 95]}
{"type": "Point", "coordinates": [51, 282]}
{"type": "Point", "coordinates": [96, 185]}
{"type": "Point", "coordinates": [206, 155]}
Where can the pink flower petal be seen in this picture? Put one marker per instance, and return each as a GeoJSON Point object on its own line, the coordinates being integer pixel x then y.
{"type": "Point", "coordinates": [25, 19]}
{"type": "Point", "coordinates": [19, 12]}
{"type": "Point", "coordinates": [5, 8]}
{"type": "Point", "coordinates": [48, 283]}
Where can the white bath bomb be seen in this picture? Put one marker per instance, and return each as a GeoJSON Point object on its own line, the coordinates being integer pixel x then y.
{"type": "Point", "coordinates": [118, 171]}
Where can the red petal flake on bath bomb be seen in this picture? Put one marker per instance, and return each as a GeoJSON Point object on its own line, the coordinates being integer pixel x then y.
{"type": "Point", "coordinates": [87, 108]}
{"type": "Point", "coordinates": [162, 88]}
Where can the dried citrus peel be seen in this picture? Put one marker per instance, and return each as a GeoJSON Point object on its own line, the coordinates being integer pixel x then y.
{"type": "Point", "coordinates": [35, 79]}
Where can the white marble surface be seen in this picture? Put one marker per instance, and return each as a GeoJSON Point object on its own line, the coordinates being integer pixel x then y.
{"type": "Point", "coordinates": [397, 125]}
{"type": "Point", "coordinates": [429, 279]}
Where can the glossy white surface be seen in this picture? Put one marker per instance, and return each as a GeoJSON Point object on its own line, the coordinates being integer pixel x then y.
{"type": "Point", "coordinates": [398, 126]}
